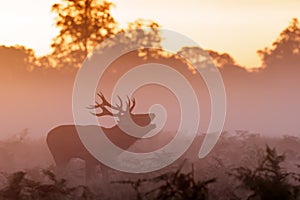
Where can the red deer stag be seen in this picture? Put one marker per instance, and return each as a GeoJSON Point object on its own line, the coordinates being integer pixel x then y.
{"type": "Point", "coordinates": [65, 144]}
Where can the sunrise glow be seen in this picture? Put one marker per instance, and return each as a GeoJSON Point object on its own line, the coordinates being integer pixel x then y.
{"type": "Point", "coordinates": [235, 27]}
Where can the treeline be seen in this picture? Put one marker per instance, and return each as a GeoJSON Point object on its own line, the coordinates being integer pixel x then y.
{"type": "Point", "coordinates": [83, 24]}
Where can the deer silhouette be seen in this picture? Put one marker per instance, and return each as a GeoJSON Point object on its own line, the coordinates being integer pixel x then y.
{"type": "Point", "coordinates": [64, 142]}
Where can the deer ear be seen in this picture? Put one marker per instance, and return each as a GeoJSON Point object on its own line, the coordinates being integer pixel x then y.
{"type": "Point", "coordinates": [152, 116]}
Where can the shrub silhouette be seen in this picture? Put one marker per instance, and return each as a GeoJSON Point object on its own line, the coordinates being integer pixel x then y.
{"type": "Point", "coordinates": [269, 181]}
{"type": "Point", "coordinates": [21, 188]}
{"type": "Point", "coordinates": [172, 186]}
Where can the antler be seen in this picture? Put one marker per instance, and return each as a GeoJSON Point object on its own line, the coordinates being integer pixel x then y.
{"type": "Point", "coordinates": [129, 106]}
{"type": "Point", "coordinates": [103, 106]}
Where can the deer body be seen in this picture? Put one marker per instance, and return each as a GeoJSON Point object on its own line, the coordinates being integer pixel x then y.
{"type": "Point", "coordinates": [64, 142]}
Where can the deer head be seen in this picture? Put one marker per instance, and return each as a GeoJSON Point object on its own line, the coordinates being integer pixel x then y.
{"type": "Point", "coordinates": [125, 118]}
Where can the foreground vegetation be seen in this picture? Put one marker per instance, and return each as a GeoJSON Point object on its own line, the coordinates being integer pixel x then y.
{"type": "Point", "coordinates": [268, 180]}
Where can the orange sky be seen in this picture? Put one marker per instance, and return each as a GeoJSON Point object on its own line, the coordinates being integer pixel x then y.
{"type": "Point", "coordinates": [233, 26]}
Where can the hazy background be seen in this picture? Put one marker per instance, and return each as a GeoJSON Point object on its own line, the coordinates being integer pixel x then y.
{"type": "Point", "coordinates": [265, 100]}
{"type": "Point", "coordinates": [254, 44]}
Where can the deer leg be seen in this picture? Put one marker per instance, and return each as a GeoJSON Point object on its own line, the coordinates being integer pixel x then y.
{"type": "Point", "coordinates": [61, 166]}
{"type": "Point", "coordinates": [104, 172]}
{"type": "Point", "coordinates": [105, 177]}
{"type": "Point", "coordinates": [90, 172]}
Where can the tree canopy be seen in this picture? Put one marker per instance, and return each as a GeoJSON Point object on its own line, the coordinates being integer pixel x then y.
{"type": "Point", "coordinates": [83, 24]}
{"type": "Point", "coordinates": [285, 51]}
{"type": "Point", "coordinates": [16, 59]}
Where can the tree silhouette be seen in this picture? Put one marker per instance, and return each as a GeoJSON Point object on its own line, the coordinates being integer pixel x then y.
{"type": "Point", "coordinates": [16, 60]}
{"type": "Point", "coordinates": [221, 60]}
{"type": "Point", "coordinates": [83, 24]}
{"type": "Point", "coordinates": [145, 33]}
{"type": "Point", "coordinates": [285, 50]}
